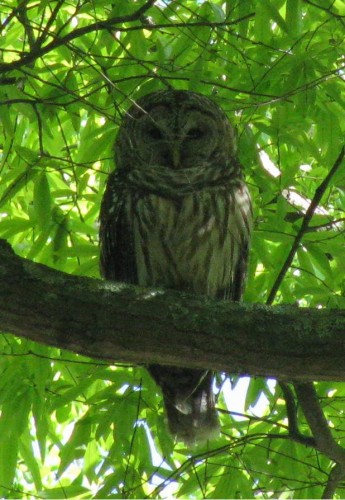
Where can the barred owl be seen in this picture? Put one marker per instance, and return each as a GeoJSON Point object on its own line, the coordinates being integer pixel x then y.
{"type": "Point", "coordinates": [176, 214]}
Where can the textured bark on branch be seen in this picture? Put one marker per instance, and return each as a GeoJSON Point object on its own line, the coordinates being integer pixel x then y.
{"type": "Point", "coordinates": [121, 323]}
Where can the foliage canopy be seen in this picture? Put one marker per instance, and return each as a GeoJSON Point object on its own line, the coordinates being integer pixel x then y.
{"type": "Point", "coordinates": [71, 427]}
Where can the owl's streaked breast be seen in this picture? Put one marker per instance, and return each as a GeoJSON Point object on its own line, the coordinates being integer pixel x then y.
{"type": "Point", "coordinates": [192, 243]}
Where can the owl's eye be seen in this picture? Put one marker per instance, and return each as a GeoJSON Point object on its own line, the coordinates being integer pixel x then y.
{"type": "Point", "coordinates": [195, 133]}
{"type": "Point", "coordinates": [154, 133]}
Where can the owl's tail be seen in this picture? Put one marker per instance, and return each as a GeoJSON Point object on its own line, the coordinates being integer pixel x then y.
{"type": "Point", "coordinates": [189, 403]}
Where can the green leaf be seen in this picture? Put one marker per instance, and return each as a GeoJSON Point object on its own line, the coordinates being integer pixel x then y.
{"type": "Point", "coordinates": [79, 438]}
{"type": "Point", "coordinates": [255, 389]}
{"type": "Point", "coordinates": [17, 185]}
{"type": "Point", "coordinates": [293, 17]}
{"type": "Point", "coordinates": [30, 460]}
{"type": "Point", "coordinates": [42, 201]}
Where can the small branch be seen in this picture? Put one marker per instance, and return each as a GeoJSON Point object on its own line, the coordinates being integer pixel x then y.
{"type": "Point", "coordinates": [43, 36]}
{"type": "Point", "coordinates": [22, 17]}
{"type": "Point", "coordinates": [325, 9]}
{"type": "Point", "coordinates": [327, 225]}
{"type": "Point", "coordinates": [324, 440]}
{"type": "Point", "coordinates": [306, 220]}
{"type": "Point", "coordinates": [317, 422]}
{"type": "Point", "coordinates": [58, 41]}
{"type": "Point", "coordinates": [336, 476]}
{"type": "Point", "coordinates": [109, 24]}
{"type": "Point", "coordinates": [9, 17]}
{"type": "Point", "coordinates": [291, 411]}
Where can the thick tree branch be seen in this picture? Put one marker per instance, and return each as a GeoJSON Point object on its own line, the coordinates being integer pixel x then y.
{"type": "Point", "coordinates": [121, 323]}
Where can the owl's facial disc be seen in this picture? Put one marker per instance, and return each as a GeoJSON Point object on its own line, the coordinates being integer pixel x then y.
{"type": "Point", "coordinates": [176, 140]}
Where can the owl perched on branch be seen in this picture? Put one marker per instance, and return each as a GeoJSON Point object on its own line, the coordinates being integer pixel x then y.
{"type": "Point", "coordinates": [176, 213]}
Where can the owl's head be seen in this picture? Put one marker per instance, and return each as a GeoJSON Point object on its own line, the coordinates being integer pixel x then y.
{"type": "Point", "coordinates": [174, 129]}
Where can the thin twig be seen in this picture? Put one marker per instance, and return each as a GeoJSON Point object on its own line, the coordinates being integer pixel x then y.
{"type": "Point", "coordinates": [325, 9]}
{"type": "Point", "coordinates": [337, 474]}
{"type": "Point", "coordinates": [291, 411]}
{"type": "Point", "coordinates": [306, 220]}
{"type": "Point", "coordinates": [109, 24]}
{"type": "Point", "coordinates": [58, 41]}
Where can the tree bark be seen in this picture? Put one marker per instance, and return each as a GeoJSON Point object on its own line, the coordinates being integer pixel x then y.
{"type": "Point", "coordinates": [122, 323]}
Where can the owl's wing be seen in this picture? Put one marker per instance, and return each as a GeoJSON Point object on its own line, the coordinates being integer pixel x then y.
{"type": "Point", "coordinates": [244, 218]}
{"type": "Point", "coordinates": [235, 289]}
{"type": "Point", "coordinates": [240, 273]}
{"type": "Point", "coordinates": [117, 259]}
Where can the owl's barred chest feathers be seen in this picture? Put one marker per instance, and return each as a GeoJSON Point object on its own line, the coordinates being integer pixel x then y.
{"type": "Point", "coordinates": [190, 243]}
